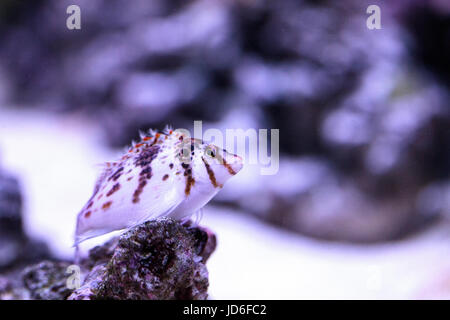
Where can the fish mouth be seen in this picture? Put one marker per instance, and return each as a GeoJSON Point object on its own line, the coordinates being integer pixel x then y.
{"type": "Point", "coordinates": [234, 164]}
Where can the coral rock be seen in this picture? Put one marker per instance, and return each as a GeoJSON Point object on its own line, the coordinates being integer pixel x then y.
{"type": "Point", "coordinates": [47, 280]}
{"type": "Point", "coordinates": [159, 259]}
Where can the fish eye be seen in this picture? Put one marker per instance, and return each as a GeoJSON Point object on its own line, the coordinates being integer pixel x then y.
{"type": "Point", "coordinates": [211, 152]}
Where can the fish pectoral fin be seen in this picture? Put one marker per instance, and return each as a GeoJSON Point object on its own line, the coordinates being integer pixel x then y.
{"type": "Point", "coordinates": [198, 216]}
{"type": "Point", "coordinates": [90, 234]}
{"type": "Point", "coordinates": [152, 216]}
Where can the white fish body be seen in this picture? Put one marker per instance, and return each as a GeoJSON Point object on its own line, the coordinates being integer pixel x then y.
{"type": "Point", "coordinates": [165, 175]}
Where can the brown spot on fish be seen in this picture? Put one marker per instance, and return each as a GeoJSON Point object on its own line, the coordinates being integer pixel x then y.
{"type": "Point", "coordinates": [87, 214]}
{"type": "Point", "coordinates": [146, 171]}
{"type": "Point", "coordinates": [90, 203]}
{"type": "Point", "coordinates": [106, 205]}
{"type": "Point", "coordinates": [100, 196]}
{"type": "Point", "coordinates": [211, 174]}
{"type": "Point", "coordinates": [166, 176]}
{"type": "Point", "coordinates": [189, 179]}
{"type": "Point", "coordinates": [185, 165]}
{"type": "Point", "coordinates": [229, 168]}
{"type": "Point", "coordinates": [129, 178]}
{"type": "Point", "coordinates": [116, 175]}
{"type": "Point", "coordinates": [113, 189]}
{"type": "Point", "coordinates": [139, 190]}
{"type": "Point", "coordinates": [171, 166]}
{"type": "Point", "coordinates": [156, 138]}
{"type": "Point", "coordinates": [146, 156]}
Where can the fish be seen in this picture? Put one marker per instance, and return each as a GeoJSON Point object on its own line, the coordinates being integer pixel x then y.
{"type": "Point", "coordinates": [165, 174]}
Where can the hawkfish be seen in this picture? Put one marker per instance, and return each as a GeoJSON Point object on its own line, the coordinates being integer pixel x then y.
{"type": "Point", "coordinates": [165, 174]}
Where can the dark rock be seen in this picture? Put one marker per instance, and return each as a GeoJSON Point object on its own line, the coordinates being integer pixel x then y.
{"type": "Point", "coordinates": [12, 237]}
{"type": "Point", "coordinates": [205, 242]}
{"type": "Point", "coordinates": [15, 247]}
{"type": "Point", "coordinates": [100, 254]}
{"type": "Point", "coordinates": [9, 290]}
{"type": "Point", "coordinates": [156, 260]}
{"type": "Point", "coordinates": [47, 280]}
{"type": "Point", "coordinates": [160, 259]}
{"type": "Point", "coordinates": [10, 206]}
{"type": "Point", "coordinates": [427, 18]}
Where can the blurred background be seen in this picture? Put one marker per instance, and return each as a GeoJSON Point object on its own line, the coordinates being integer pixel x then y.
{"type": "Point", "coordinates": [361, 203]}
